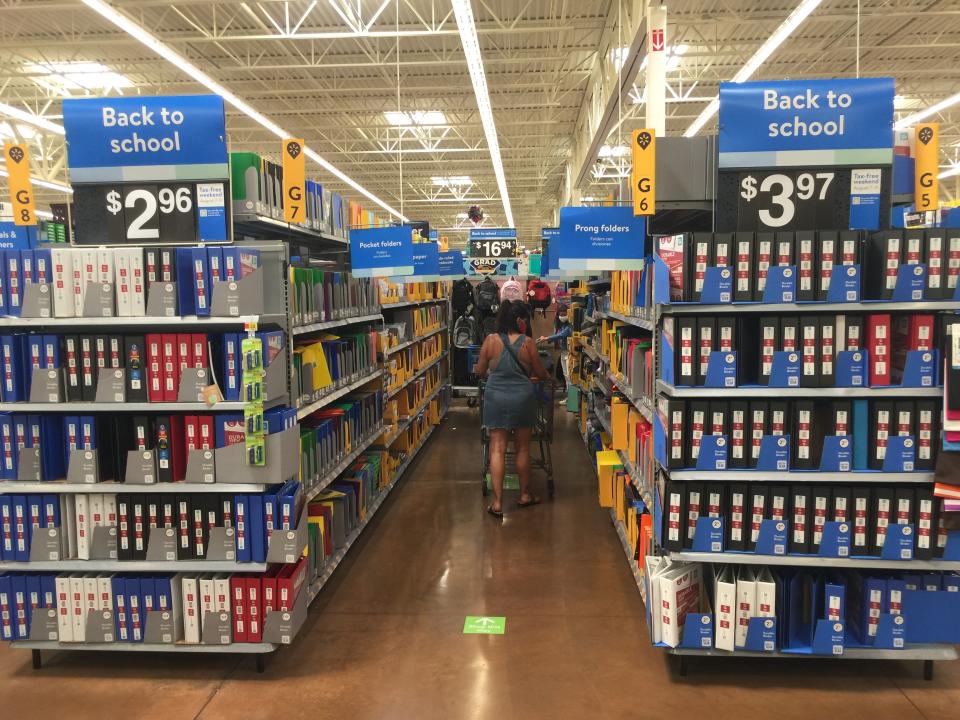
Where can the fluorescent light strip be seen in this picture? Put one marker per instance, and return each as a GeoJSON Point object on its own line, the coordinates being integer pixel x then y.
{"type": "Point", "coordinates": [784, 31]}
{"type": "Point", "coordinates": [173, 57]}
{"type": "Point", "coordinates": [471, 48]}
{"type": "Point", "coordinates": [955, 170]}
{"type": "Point", "coordinates": [924, 114]}
{"type": "Point", "coordinates": [31, 119]}
{"type": "Point", "coordinates": [59, 187]}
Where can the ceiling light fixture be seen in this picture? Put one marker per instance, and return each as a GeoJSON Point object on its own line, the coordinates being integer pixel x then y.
{"type": "Point", "coordinates": [30, 119]}
{"type": "Point", "coordinates": [786, 28]}
{"type": "Point", "coordinates": [471, 48]}
{"type": "Point", "coordinates": [416, 118]}
{"type": "Point", "coordinates": [453, 181]}
{"type": "Point", "coordinates": [924, 114]}
{"type": "Point", "coordinates": [955, 170]}
{"type": "Point", "coordinates": [49, 184]}
{"type": "Point", "coordinates": [175, 58]}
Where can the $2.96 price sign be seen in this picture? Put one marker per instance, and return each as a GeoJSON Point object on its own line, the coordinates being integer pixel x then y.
{"type": "Point", "coordinates": [147, 213]}
{"type": "Point", "coordinates": [770, 200]}
{"type": "Point", "coordinates": [504, 248]}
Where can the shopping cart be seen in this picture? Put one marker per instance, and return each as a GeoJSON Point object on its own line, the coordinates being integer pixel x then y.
{"type": "Point", "coordinates": [541, 439]}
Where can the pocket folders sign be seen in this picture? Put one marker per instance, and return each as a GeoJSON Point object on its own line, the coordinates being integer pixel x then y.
{"type": "Point", "coordinates": [600, 238]}
{"type": "Point", "coordinates": [381, 252]}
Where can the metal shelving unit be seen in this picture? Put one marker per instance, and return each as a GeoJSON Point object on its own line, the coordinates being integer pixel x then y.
{"type": "Point", "coordinates": [409, 343]}
{"type": "Point", "coordinates": [819, 307]}
{"type": "Point", "coordinates": [410, 303]}
{"type": "Point", "coordinates": [19, 486]}
{"type": "Point", "coordinates": [129, 407]}
{"type": "Point", "coordinates": [866, 563]}
{"type": "Point", "coordinates": [258, 226]}
{"type": "Point", "coordinates": [342, 322]}
{"type": "Point", "coordinates": [638, 402]}
{"type": "Point", "coordinates": [759, 391]}
{"type": "Point", "coordinates": [405, 423]}
{"type": "Point", "coordinates": [421, 371]}
{"type": "Point", "coordinates": [802, 476]}
{"type": "Point", "coordinates": [139, 321]}
{"type": "Point", "coordinates": [336, 394]}
{"type": "Point", "coordinates": [150, 566]}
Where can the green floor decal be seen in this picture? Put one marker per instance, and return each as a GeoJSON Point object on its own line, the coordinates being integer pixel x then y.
{"type": "Point", "coordinates": [511, 481]}
{"type": "Point", "coordinates": [480, 625]}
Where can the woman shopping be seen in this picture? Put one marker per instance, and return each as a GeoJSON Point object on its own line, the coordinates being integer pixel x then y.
{"type": "Point", "coordinates": [510, 405]}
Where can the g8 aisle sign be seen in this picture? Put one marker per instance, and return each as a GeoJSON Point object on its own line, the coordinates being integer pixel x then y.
{"type": "Point", "coordinates": [148, 169]}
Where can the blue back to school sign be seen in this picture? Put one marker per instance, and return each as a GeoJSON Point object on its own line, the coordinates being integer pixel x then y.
{"type": "Point", "coordinates": [806, 122]}
{"type": "Point", "coordinates": [172, 137]}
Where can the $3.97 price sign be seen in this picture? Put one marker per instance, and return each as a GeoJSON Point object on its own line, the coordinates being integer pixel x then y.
{"type": "Point", "coordinates": [780, 199]}
{"type": "Point", "coordinates": [141, 213]}
{"type": "Point", "coordinates": [504, 248]}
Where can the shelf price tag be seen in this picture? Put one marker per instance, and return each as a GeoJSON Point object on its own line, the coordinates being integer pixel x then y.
{"type": "Point", "coordinates": [294, 180]}
{"type": "Point", "coordinates": [17, 159]}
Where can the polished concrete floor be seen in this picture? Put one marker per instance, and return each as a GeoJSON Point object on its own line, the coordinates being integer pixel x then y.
{"type": "Point", "coordinates": [384, 639]}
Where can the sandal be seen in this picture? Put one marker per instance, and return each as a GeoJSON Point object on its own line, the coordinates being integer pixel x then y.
{"type": "Point", "coordinates": [534, 500]}
{"type": "Point", "coordinates": [498, 514]}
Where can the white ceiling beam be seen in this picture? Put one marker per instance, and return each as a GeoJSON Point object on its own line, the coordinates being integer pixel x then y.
{"type": "Point", "coordinates": [606, 89]}
{"type": "Point", "coordinates": [144, 37]}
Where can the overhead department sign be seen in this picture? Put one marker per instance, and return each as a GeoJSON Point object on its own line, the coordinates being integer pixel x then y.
{"type": "Point", "coordinates": [806, 122]}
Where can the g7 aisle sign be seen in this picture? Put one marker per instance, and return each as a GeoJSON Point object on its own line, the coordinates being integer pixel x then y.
{"type": "Point", "coordinates": [294, 179]}
{"type": "Point", "coordinates": [806, 123]}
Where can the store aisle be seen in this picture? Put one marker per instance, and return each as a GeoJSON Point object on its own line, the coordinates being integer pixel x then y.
{"type": "Point", "coordinates": [384, 639]}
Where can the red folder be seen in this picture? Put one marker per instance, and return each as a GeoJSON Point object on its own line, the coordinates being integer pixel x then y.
{"type": "Point", "coordinates": [878, 345]}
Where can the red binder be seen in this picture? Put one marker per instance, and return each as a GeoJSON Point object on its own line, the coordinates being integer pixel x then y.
{"type": "Point", "coordinates": [238, 596]}
{"type": "Point", "coordinates": [878, 345]}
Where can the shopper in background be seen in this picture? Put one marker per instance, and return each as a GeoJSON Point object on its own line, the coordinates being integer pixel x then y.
{"type": "Point", "coordinates": [509, 402]}
{"type": "Point", "coordinates": [559, 339]}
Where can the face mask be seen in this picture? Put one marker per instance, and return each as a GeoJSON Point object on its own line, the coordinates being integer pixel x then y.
{"type": "Point", "coordinates": [562, 319]}
{"type": "Point", "coordinates": [522, 326]}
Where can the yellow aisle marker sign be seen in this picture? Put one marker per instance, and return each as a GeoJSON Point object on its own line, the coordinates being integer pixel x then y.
{"type": "Point", "coordinates": [294, 180]}
{"type": "Point", "coordinates": [17, 157]}
{"type": "Point", "coordinates": [643, 177]}
{"type": "Point", "coordinates": [926, 184]}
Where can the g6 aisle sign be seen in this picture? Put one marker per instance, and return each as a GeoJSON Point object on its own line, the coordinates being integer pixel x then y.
{"type": "Point", "coordinates": [643, 174]}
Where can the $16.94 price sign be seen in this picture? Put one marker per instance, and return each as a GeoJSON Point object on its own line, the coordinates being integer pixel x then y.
{"type": "Point", "coordinates": [143, 213]}
{"type": "Point", "coordinates": [504, 248]}
{"type": "Point", "coordinates": [782, 199]}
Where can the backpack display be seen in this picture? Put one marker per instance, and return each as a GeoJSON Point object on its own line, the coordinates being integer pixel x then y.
{"type": "Point", "coordinates": [462, 296]}
{"type": "Point", "coordinates": [488, 295]}
{"type": "Point", "coordinates": [489, 325]}
{"type": "Point", "coordinates": [511, 290]}
{"type": "Point", "coordinates": [465, 331]}
{"type": "Point", "coordinates": [539, 294]}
